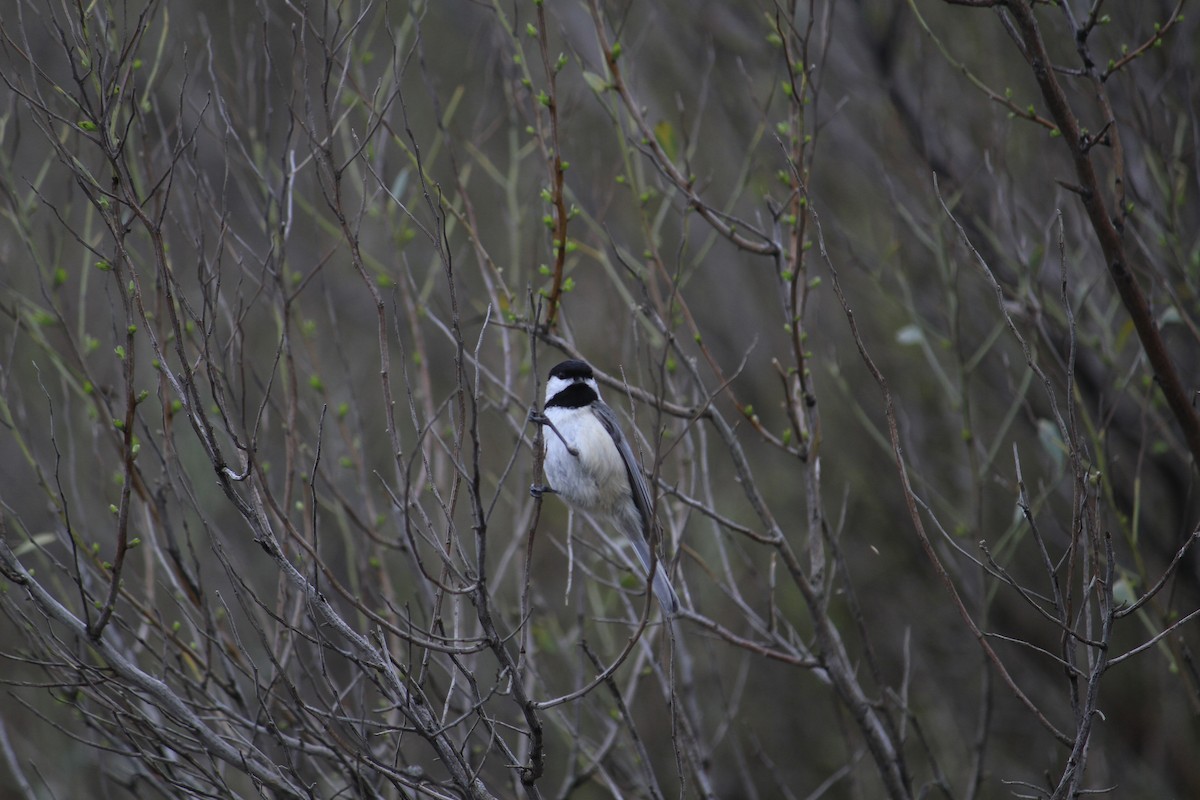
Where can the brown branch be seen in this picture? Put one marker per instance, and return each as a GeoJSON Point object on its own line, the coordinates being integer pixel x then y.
{"type": "Point", "coordinates": [911, 502]}
{"type": "Point", "coordinates": [1106, 228]}
{"type": "Point", "coordinates": [557, 168]}
{"type": "Point", "coordinates": [1159, 33]}
{"type": "Point", "coordinates": [660, 157]}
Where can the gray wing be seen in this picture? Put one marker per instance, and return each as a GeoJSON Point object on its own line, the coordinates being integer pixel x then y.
{"type": "Point", "coordinates": [637, 484]}
{"type": "Point", "coordinates": [644, 543]}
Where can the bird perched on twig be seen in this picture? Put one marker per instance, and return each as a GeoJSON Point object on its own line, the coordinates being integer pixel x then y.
{"type": "Point", "coordinates": [591, 466]}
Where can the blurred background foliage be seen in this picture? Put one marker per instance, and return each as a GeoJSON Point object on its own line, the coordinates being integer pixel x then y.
{"type": "Point", "coordinates": [293, 159]}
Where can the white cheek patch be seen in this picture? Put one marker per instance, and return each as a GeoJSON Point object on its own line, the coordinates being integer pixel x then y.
{"type": "Point", "coordinates": [555, 385]}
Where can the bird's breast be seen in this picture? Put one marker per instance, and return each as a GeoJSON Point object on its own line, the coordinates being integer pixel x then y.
{"type": "Point", "coordinates": [594, 480]}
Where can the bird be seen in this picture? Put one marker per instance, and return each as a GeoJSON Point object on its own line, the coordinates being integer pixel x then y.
{"type": "Point", "coordinates": [590, 465]}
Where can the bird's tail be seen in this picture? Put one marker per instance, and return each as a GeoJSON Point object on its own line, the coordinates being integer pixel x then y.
{"type": "Point", "coordinates": [661, 583]}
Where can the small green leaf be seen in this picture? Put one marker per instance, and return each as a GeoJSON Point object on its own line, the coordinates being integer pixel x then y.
{"type": "Point", "coordinates": [596, 82]}
{"type": "Point", "coordinates": [664, 134]}
{"type": "Point", "coordinates": [1123, 592]}
{"type": "Point", "coordinates": [910, 335]}
{"type": "Point", "coordinates": [37, 540]}
{"type": "Point", "coordinates": [1052, 442]}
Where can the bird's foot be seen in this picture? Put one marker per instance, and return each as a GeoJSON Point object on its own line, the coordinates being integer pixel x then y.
{"type": "Point", "coordinates": [537, 490]}
{"type": "Point", "coordinates": [538, 418]}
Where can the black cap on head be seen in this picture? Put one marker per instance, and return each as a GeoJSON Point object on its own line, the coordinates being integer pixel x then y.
{"type": "Point", "coordinates": [571, 370]}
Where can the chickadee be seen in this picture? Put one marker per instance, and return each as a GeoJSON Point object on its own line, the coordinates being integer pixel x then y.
{"type": "Point", "coordinates": [590, 465]}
